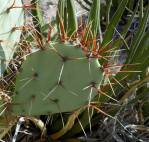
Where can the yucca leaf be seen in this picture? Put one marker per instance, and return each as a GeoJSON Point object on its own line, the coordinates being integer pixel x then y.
{"type": "Point", "coordinates": [139, 48]}
{"type": "Point", "coordinates": [139, 69]}
{"type": "Point", "coordinates": [40, 14]}
{"type": "Point", "coordinates": [130, 20]}
{"type": "Point", "coordinates": [142, 55]}
{"type": "Point", "coordinates": [133, 88]}
{"type": "Point", "coordinates": [61, 7]}
{"type": "Point", "coordinates": [113, 23]}
{"type": "Point", "coordinates": [61, 14]}
{"type": "Point", "coordinates": [119, 42]}
{"type": "Point", "coordinates": [130, 5]}
{"type": "Point", "coordinates": [38, 23]}
{"type": "Point", "coordinates": [72, 18]}
{"type": "Point", "coordinates": [109, 4]}
{"type": "Point", "coordinates": [66, 18]}
{"type": "Point", "coordinates": [93, 25]}
{"type": "Point", "coordinates": [140, 61]}
{"type": "Point", "coordinates": [94, 17]}
{"type": "Point", "coordinates": [37, 14]}
{"type": "Point", "coordinates": [141, 10]}
{"type": "Point", "coordinates": [138, 36]}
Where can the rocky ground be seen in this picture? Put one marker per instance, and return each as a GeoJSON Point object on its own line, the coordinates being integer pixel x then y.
{"type": "Point", "coordinates": [49, 8]}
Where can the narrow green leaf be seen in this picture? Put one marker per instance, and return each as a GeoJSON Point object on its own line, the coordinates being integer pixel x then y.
{"type": "Point", "coordinates": [66, 17]}
{"type": "Point", "coordinates": [94, 17]}
{"type": "Point", "coordinates": [142, 59]}
{"type": "Point", "coordinates": [61, 13]}
{"type": "Point", "coordinates": [142, 54]}
{"type": "Point", "coordinates": [118, 43]}
{"type": "Point", "coordinates": [72, 18]}
{"type": "Point", "coordinates": [115, 20]}
{"type": "Point", "coordinates": [129, 22]}
{"type": "Point", "coordinates": [138, 36]}
{"type": "Point", "coordinates": [108, 8]}
{"type": "Point", "coordinates": [61, 7]}
{"type": "Point", "coordinates": [130, 5]}
{"type": "Point", "coordinates": [40, 14]}
{"type": "Point", "coordinates": [141, 10]}
{"type": "Point", "coordinates": [38, 23]}
{"type": "Point", "coordinates": [93, 24]}
{"type": "Point", "coordinates": [35, 17]}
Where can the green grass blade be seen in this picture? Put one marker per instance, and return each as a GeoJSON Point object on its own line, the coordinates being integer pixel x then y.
{"type": "Point", "coordinates": [94, 17]}
{"type": "Point", "coordinates": [38, 23]}
{"type": "Point", "coordinates": [72, 18]}
{"type": "Point", "coordinates": [130, 20]}
{"type": "Point", "coordinates": [108, 8]}
{"type": "Point", "coordinates": [61, 13]}
{"type": "Point", "coordinates": [66, 17]}
{"type": "Point", "coordinates": [117, 44]}
{"type": "Point", "coordinates": [138, 36]}
{"type": "Point", "coordinates": [116, 18]}
{"type": "Point", "coordinates": [40, 14]}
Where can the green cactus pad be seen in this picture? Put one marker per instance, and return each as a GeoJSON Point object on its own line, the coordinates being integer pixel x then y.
{"type": "Point", "coordinates": [58, 79]}
{"type": "Point", "coordinates": [10, 18]}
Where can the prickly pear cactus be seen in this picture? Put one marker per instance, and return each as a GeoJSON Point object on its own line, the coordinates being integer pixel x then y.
{"type": "Point", "coordinates": [58, 79]}
{"type": "Point", "coordinates": [11, 19]}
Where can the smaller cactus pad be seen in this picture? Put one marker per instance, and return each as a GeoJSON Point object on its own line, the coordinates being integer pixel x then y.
{"type": "Point", "coordinates": [11, 19]}
{"type": "Point", "coordinates": [58, 79]}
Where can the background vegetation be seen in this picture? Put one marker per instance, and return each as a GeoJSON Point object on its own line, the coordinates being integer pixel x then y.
{"type": "Point", "coordinates": [119, 31]}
